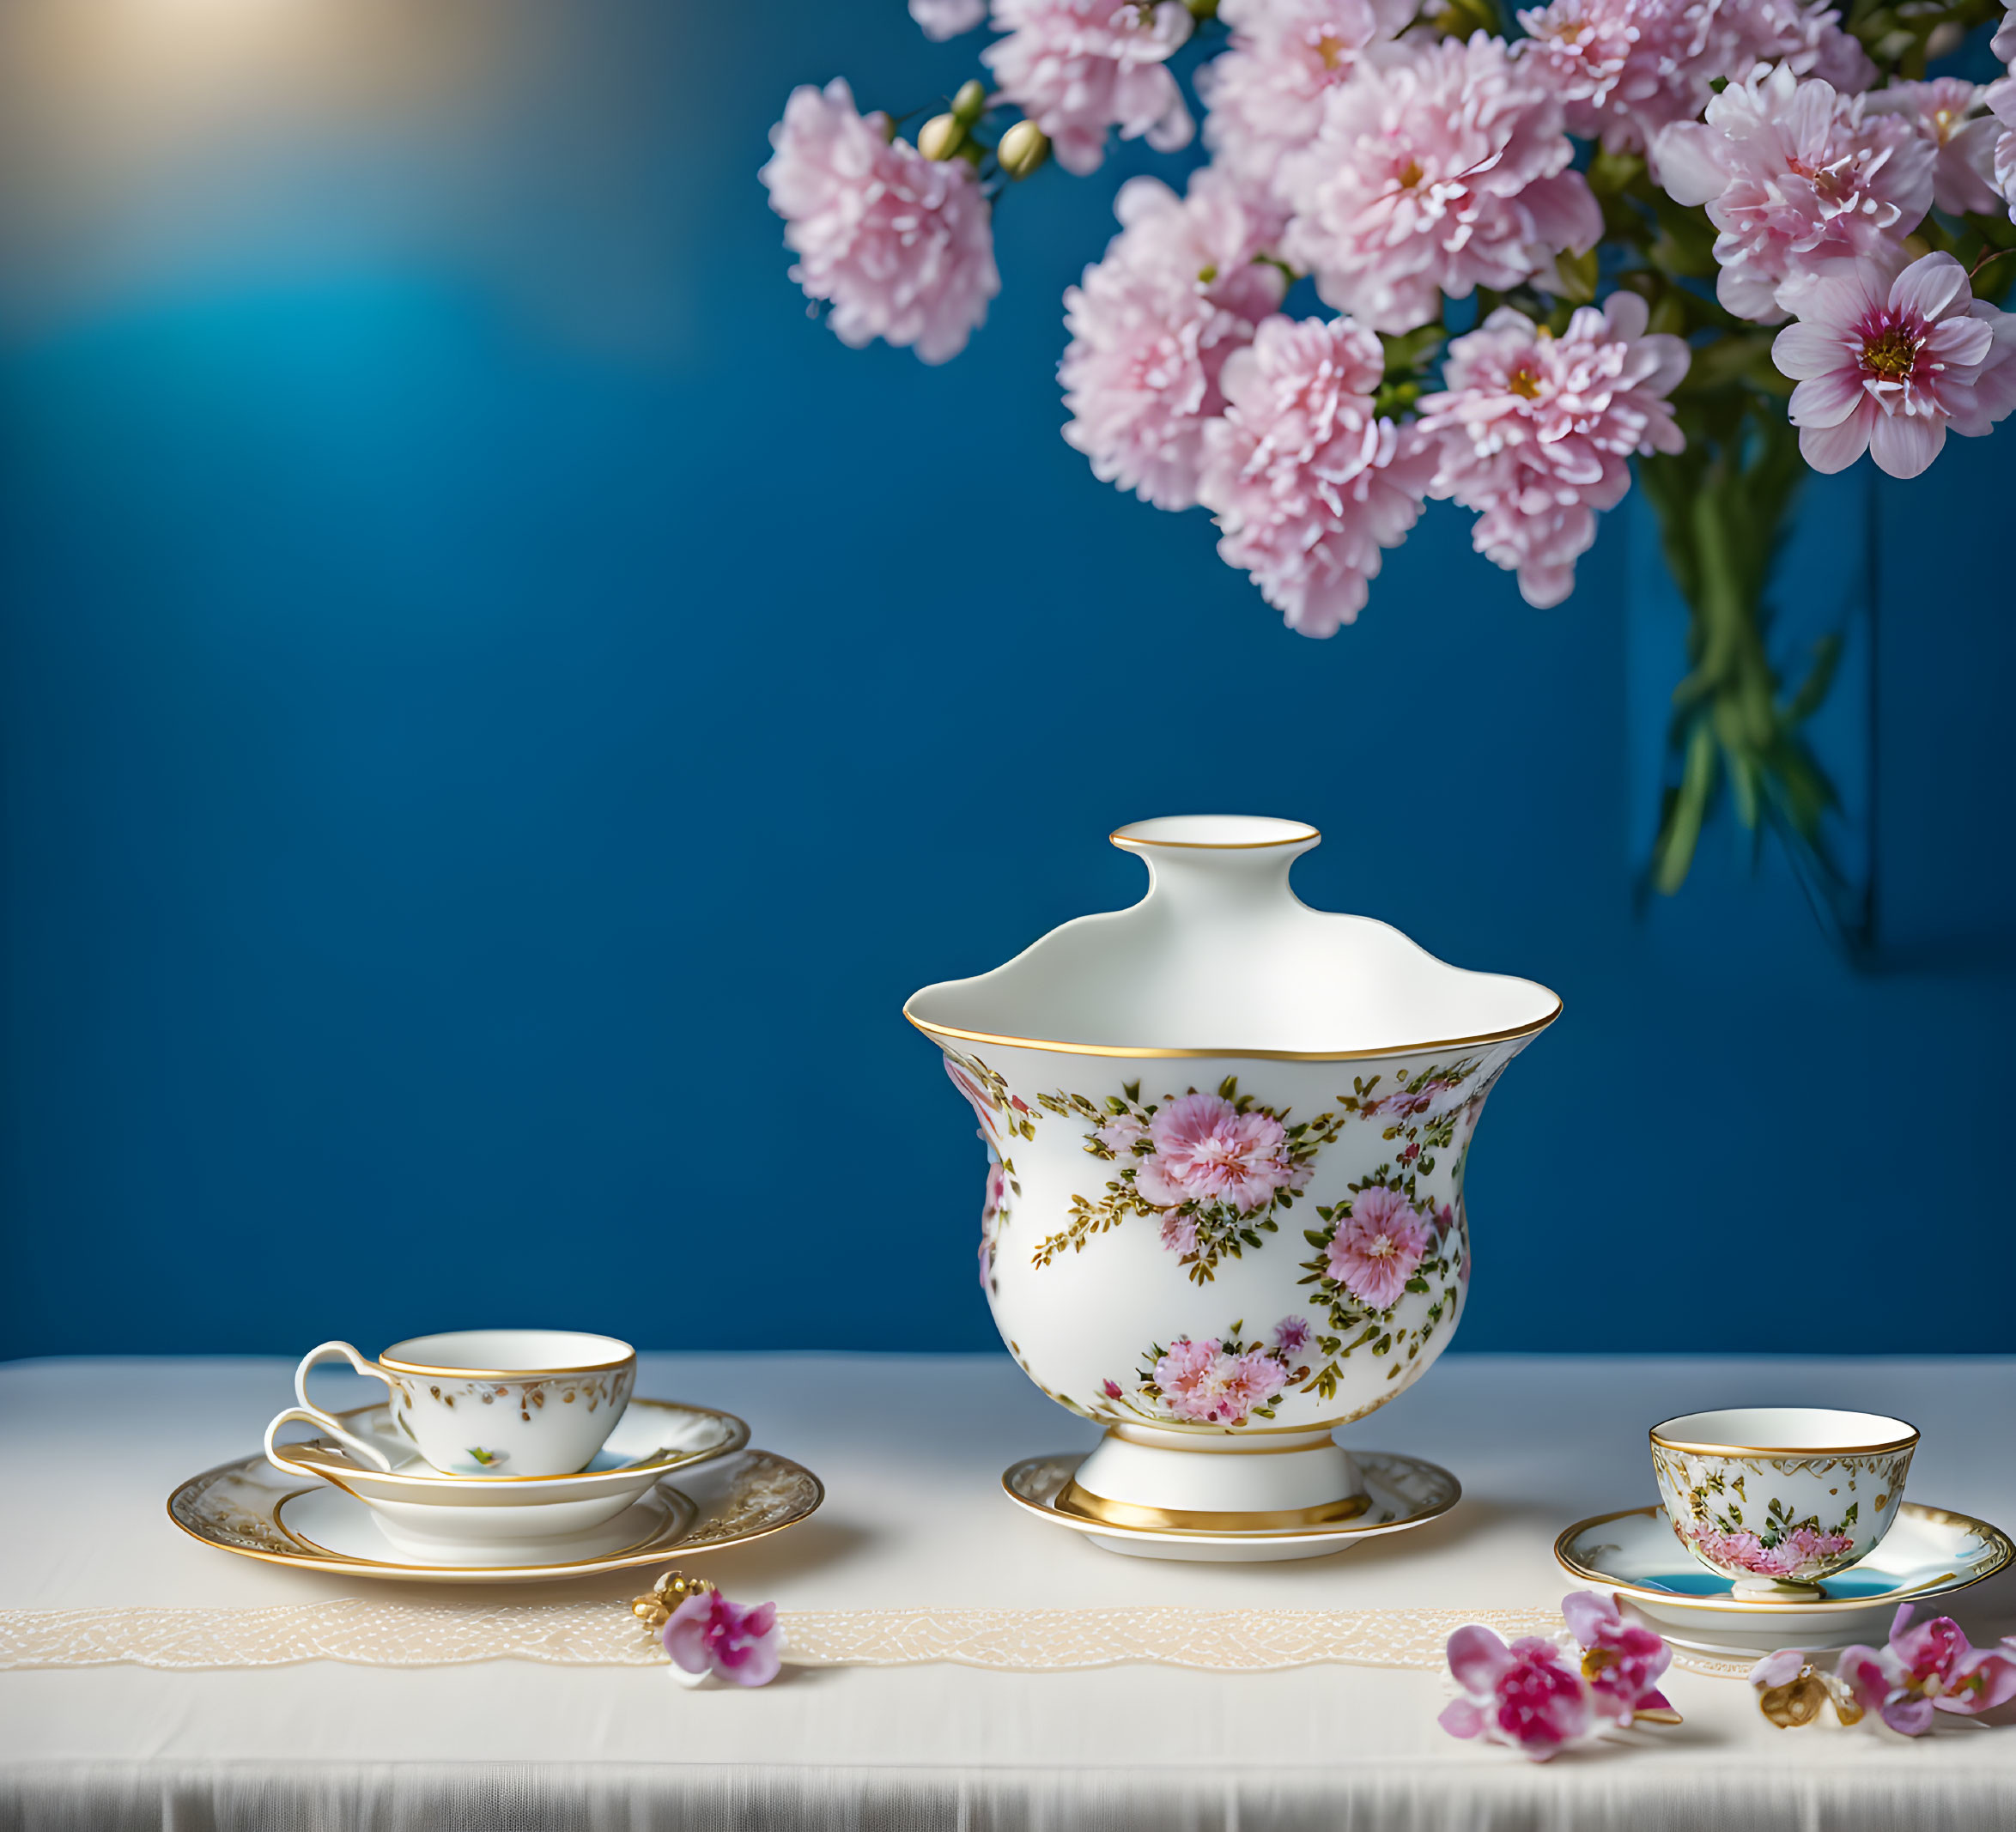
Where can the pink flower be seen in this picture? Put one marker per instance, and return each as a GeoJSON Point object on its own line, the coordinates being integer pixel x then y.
{"type": "Point", "coordinates": [1535, 432]}
{"type": "Point", "coordinates": [974, 1095]}
{"type": "Point", "coordinates": [1623, 1661]}
{"type": "Point", "coordinates": [1198, 1380]}
{"type": "Point", "coordinates": [1291, 1335]}
{"type": "Point", "coordinates": [1439, 167]}
{"type": "Point", "coordinates": [1963, 143]}
{"type": "Point", "coordinates": [1799, 1553]}
{"type": "Point", "coordinates": [901, 246]}
{"type": "Point", "coordinates": [1625, 69]}
{"type": "Point", "coordinates": [1111, 1389]}
{"type": "Point", "coordinates": [2003, 44]}
{"type": "Point", "coordinates": [943, 19]}
{"type": "Point", "coordinates": [1178, 290]}
{"type": "Point", "coordinates": [1122, 1134]}
{"type": "Point", "coordinates": [1207, 1152]}
{"type": "Point", "coordinates": [2001, 97]}
{"type": "Point", "coordinates": [1374, 1253]}
{"type": "Point", "coordinates": [1307, 483]}
{"type": "Point", "coordinates": [1886, 366]}
{"type": "Point", "coordinates": [1266, 92]}
{"type": "Point", "coordinates": [1078, 67]}
{"type": "Point", "coordinates": [1792, 174]}
{"type": "Point", "coordinates": [1927, 1669]}
{"type": "Point", "coordinates": [1179, 1233]}
{"type": "Point", "coordinates": [709, 1634]}
{"type": "Point", "coordinates": [1526, 1696]}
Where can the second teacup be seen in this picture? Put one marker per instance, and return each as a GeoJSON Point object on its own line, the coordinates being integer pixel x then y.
{"type": "Point", "coordinates": [1776, 1498]}
{"type": "Point", "coordinates": [495, 1404]}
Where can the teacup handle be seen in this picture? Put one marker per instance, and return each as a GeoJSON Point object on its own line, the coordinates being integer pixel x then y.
{"type": "Point", "coordinates": [310, 1413]}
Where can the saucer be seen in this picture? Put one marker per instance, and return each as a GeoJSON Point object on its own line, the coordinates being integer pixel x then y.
{"type": "Point", "coordinates": [1401, 1492]}
{"type": "Point", "coordinates": [652, 1439]}
{"type": "Point", "coordinates": [250, 1508]}
{"type": "Point", "coordinates": [1928, 1552]}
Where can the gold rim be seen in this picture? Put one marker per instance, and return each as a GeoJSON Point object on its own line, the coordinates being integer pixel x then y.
{"type": "Point", "coordinates": [527, 1375]}
{"type": "Point", "coordinates": [1074, 1500]}
{"type": "Point", "coordinates": [438, 1479]}
{"type": "Point", "coordinates": [1050, 1511]}
{"type": "Point", "coordinates": [1907, 1442]}
{"type": "Point", "coordinates": [1101, 1049]}
{"type": "Point", "coordinates": [2000, 1552]}
{"type": "Point", "coordinates": [340, 1563]}
{"type": "Point", "coordinates": [1120, 837]}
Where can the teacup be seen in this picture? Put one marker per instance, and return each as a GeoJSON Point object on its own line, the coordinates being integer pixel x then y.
{"type": "Point", "coordinates": [493, 1404]}
{"type": "Point", "coordinates": [1776, 1498]}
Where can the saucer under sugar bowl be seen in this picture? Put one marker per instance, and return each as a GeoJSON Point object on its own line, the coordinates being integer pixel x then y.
{"type": "Point", "coordinates": [1225, 1212]}
{"type": "Point", "coordinates": [1778, 1498]}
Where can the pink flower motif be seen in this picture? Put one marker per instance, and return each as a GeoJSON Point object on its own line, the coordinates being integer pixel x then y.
{"type": "Point", "coordinates": [1799, 1553]}
{"type": "Point", "coordinates": [1927, 1669]}
{"type": "Point", "coordinates": [1963, 141]}
{"type": "Point", "coordinates": [1111, 1389]}
{"type": "Point", "coordinates": [1792, 174]}
{"type": "Point", "coordinates": [1179, 1235]}
{"type": "Point", "coordinates": [1178, 290]}
{"type": "Point", "coordinates": [1266, 92]}
{"type": "Point", "coordinates": [990, 1212]}
{"type": "Point", "coordinates": [1535, 432]}
{"type": "Point", "coordinates": [901, 246]}
{"type": "Point", "coordinates": [1198, 1380]}
{"type": "Point", "coordinates": [943, 19]}
{"type": "Point", "coordinates": [1207, 1152]}
{"type": "Point", "coordinates": [1886, 366]}
{"type": "Point", "coordinates": [1291, 1335]}
{"type": "Point", "coordinates": [1526, 1696]}
{"type": "Point", "coordinates": [1078, 67]}
{"type": "Point", "coordinates": [1374, 1253]}
{"type": "Point", "coordinates": [1440, 167]}
{"type": "Point", "coordinates": [709, 1634]}
{"type": "Point", "coordinates": [1623, 1661]}
{"type": "Point", "coordinates": [1307, 483]}
{"type": "Point", "coordinates": [1122, 1134]}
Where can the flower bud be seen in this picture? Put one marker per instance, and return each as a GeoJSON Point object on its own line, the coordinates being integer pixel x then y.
{"type": "Point", "coordinates": [971, 103]}
{"type": "Point", "coordinates": [1022, 150]}
{"type": "Point", "coordinates": [939, 136]}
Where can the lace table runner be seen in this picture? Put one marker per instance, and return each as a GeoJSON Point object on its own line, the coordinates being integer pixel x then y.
{"type": "Point", "coordinates": [368, 1633]}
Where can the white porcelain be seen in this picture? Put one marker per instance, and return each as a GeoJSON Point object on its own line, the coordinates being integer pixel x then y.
{"type": "Point", "coordinates": [1928, 1553]}
{"type": "Point", "coordinates": [421, 1506]}
{"type": "Point", "coordinates": [1224, 1199]}
{"type": "Point", "coordinates": [250, 1508]}
{"type": "Point", "coordinates": [1394, 1492]}
{"type": "Point", "coordinates": [485, 1403]}
{"type": "Point", "coordinates": [1778, 1498]}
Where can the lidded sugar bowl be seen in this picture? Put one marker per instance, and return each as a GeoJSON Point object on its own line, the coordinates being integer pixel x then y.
{"type": "Point", "coordinates": [1226, 1138]}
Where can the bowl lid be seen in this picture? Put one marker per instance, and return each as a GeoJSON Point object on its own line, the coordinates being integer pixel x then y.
{"type": "Point", "coordinates": [1220, 958]}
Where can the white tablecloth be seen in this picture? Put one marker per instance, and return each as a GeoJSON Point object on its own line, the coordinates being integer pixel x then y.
{"type": "Point", "coordinates": [912, 1449]}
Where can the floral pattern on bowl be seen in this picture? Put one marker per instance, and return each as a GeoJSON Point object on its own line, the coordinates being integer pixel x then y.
{"type": "Point", "coordinates": [1796, 1518]}
{"type": "Point", "coordinates": [1219, 1380]}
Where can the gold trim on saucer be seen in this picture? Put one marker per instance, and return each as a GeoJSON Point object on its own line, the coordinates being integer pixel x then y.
{"type": "Point", "coordinates": [1073, 1500]}
{"type": "Point", "coordinates": [1101, 1049]}
{"type": "Point", "coordinates": [681, 1511]}
{"type": "Point", "coordinates": [1909, 1441]}
{"type": "Point", "coordinates": [2002, 1552]}
{"type": "Point", "coordinates": [1308, 836]}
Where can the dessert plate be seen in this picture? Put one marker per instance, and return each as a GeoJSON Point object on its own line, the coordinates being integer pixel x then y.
{"type": "Point", "coordinates": [1929, 1552]}
{"type": "Point", "coordinates": [1400, 1491]}
{"type": "Point", "coordinates": [250, 1508]}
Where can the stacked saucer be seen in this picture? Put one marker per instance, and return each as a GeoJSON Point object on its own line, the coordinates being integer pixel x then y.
{"type": "Point", "coordinates": [497, 1454]}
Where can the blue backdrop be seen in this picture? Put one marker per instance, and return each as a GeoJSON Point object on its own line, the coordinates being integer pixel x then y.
{"type": "Point", "coordinates": [499, 708]}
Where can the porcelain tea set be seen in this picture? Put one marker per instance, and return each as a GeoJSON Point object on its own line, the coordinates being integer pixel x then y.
{"type": "Point", "coordinates": [1224, 1216]}
{"type": "Point", "coordinates": [495, 1454]}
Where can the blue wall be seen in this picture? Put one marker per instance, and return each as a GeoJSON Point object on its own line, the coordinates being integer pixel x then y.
{"type": "Point", "coordinates": [499, 709]}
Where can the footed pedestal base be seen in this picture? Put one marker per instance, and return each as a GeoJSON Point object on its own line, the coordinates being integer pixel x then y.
{"type": "Point", "coordinates": [1270, 1482]}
